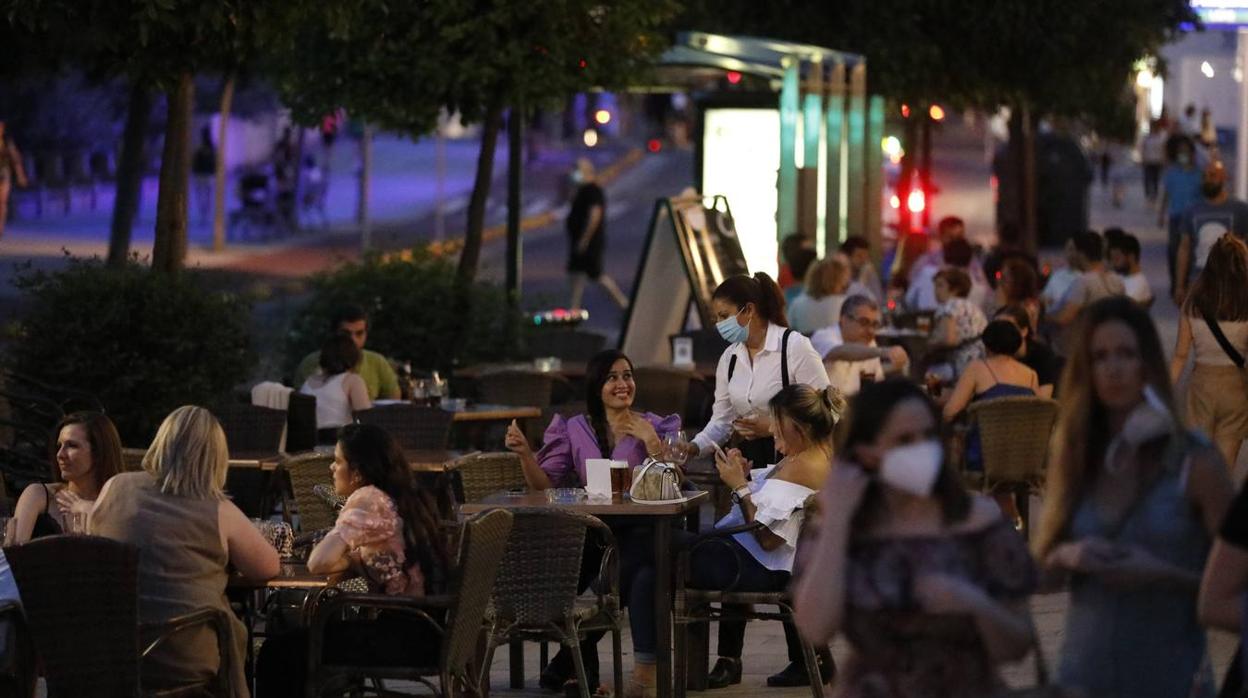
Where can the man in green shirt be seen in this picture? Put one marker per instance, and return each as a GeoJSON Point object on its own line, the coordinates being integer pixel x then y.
{"type": "Point", "coordinates": [374, 368]}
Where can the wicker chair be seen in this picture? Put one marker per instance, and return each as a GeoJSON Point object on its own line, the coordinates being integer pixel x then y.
{"type": "Point", "coordinates": [483, 474]}
{"type": "Point", "coordinates": [569, 345]}
{"type": "Point", "coordinates": [251, 430]}
{"type": "Point", "coordinates": [484, 539]}
{"type": "Point", "coordinates": [305, 471]}
{"type": "Point", "coordinates": [693, 607]}
{"type": "Point", "coordinates": [80, 596]}
{"type": "Point", "coordinates": [535, 595]}
{"type": "Point", "coordinates": [1014, 433]}
{"type": "Point", "coordinates": [18, 678]}
{"type": "Point", "coordinates": [416, 428]}
{"type": "Point", "coordinates": [664, 390]}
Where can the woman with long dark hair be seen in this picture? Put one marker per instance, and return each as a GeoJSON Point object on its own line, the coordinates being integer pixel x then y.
{"type": "Point", "coordinates": [1131, 505]}
{"type": "Point", "coordinates": [1214, 327]}
{"type": "Point", "coordinates": [87, 452]}
{"type": "Point", "coordinates": [609, 429]}
{"type": "Point", "coordinates": [388, 532]}
{"type": "Point", "coordinates": [763, 356]}
{"type": "Point", "coordinates": [928, 583]}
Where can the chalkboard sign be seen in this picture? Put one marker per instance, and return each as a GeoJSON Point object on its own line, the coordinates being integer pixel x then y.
{"type": "Point", "coordinates": [691, 248]}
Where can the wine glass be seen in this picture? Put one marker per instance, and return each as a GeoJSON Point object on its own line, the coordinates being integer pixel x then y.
{"type": "Point", "coordinates": [675, 448]}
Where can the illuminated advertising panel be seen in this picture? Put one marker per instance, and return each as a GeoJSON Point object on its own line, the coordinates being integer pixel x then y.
{"type": "Point", "coordinates": [740, 159]}
{"type": "Point", "coordinates": [1222, 13]}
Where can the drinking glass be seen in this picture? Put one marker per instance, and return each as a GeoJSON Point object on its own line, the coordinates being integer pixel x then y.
{"type": "Point", "coordinates": [674, 448]}
{"type": "Point", "coordinates": [420, 389]}
{"type": "Point", "coordinates": [76, 523]}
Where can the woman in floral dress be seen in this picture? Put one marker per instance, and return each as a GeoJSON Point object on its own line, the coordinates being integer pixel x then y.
{"type": "Point", "coordinates": [388, 534]}
{"type": "Point", "coordinates": [928, 583]}
{"type": "Point", "coordinates": [957, 324]}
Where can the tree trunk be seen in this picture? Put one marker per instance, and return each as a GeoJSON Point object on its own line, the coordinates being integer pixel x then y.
{"type": "Point", "coordinates": [471, 253]}
{"type": "Point", "coordinates": [925, 169]}
{"type": "Point", "coordinates": [169, 250]}
{"type": "Point", "coordinates": [1031, 213]}
{"type": "Point", "coordinates": [218, 193]}
{"type": "Point", "coordinates": [366, 176]}
{"type": "Point", "coordinates": [1017, 184]}
{"type": "Point", "coordinates": [129, 174]}
{"type": "Point", "coordinates": [515, 182]}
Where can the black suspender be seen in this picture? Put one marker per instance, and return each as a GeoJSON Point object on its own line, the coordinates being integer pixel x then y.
{"type": "Point", "coordinates": [784, 360]}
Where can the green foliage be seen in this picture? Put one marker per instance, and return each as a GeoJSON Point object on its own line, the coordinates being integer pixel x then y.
{"type": "Point", "coordinates": [413, 312]}
{"type": "Point", "coordinates": [397, 65]}
{"type": "Point", "coordinates": [1066, 58]}
{"type": "Point", "coordinates": [143, 343]}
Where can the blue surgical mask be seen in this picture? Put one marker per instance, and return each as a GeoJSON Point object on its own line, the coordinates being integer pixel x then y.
{"type": "Point", "coordinates": [731, 331]}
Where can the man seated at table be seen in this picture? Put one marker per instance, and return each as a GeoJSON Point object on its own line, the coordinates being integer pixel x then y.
{"type": "Point", "coordinates": [374, 368]}
{"type": "Point", "coordinates": [849, 349]}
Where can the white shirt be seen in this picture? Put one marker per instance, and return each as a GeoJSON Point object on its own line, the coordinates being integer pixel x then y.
{"type": "Point", "coordinates": [778, 505]}
{"type": "Point", "coordinates": [845, 376]}
{"type": "Point", "coordinates": [1137, 286]}
{"type": "Point", "coordinates": [754, 384]}
{"type": "Point", "coordinates": [333, 406]}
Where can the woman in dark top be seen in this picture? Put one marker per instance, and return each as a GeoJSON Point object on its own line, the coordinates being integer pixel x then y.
{"type": "Point", "coordinates": [1034, 354]}
{"type": "Point", "coordinates": [587, 236]}
{"type": "Point", "coordinates": [86, 454]}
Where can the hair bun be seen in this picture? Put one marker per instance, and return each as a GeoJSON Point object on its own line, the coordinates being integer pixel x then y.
{"type": "Point", "coordinates": [835, 401]}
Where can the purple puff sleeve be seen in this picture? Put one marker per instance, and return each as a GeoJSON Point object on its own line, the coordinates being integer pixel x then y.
{"type": "Point", "coordinates": [555, 456]}
{"type": "Point", "coordinates": [664, 425]}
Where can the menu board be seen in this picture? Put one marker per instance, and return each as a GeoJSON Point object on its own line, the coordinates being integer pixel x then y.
{"type": "Point", "coordinates": [691, 247]}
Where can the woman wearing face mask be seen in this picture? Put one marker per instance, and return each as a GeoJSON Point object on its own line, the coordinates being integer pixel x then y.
{"type": "Point", "coordinates": [763, 357]}
{"type": "Point", "coordinates": [1131, 505]}
{"type": "Point", "coordinates": [609, 429]}
{"type": "Point", "coordinates": [928, 583]}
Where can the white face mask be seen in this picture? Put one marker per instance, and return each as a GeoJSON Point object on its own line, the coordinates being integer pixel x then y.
{"type": "Point", "coordinates": [913, 468]}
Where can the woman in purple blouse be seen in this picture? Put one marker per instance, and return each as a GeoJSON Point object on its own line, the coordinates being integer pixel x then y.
{"type": "Point", "coordinates": [609, 428]}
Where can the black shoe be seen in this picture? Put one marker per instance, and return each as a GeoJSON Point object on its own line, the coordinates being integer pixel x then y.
{"type": "Point", "coordinates": [727, 672]}
{"type": "Point", "coordinates": [794, 675]}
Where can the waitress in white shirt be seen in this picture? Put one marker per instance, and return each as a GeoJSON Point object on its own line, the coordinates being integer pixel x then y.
{"type": "Point", "coordinates": [763, 357]}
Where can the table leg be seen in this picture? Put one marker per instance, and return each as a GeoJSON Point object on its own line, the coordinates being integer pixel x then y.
{"type": "Point", "coordinates": [663, 605]}
{"type": "Point", "coordinates": [516, 662]}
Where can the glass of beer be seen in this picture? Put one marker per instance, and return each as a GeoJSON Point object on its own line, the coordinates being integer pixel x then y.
{"type": "Point", "coordinates": [923, 323]}
{"type": "Point", "coordinates": [865, 377]}
{"type": "Point", "coordinates": [621, 477]}
{"type": "Point", "coordinates": [934, 384]}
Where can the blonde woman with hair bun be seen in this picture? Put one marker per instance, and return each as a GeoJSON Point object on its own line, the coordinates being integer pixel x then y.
{"type": "Point", "coordinates": [176, 513]}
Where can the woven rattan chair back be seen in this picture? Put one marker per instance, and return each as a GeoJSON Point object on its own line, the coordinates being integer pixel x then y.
{"type": "Point", "coordinates": [574, 345]}
{"type": "Point", "coordinates": [512, 387]}
{"type": "Point", "coordinates": [80, 595]}
{"type": "Point", "coordinates": [415, 427]}
{"type": "Point", "coordinates": [662, 390]}
{"type": "Point", "coordinates": [484, 543]}
{"type": "Point", "coordinates": [1014, 433]}
{"type": "Point", "coordinates": [537, 581]}
{"type": "Point", "coordinates": [305, 472]}
{"type": "Point", "coordinates": [483, 474]}
{"type": "Point", "coordinates": [250, 429]}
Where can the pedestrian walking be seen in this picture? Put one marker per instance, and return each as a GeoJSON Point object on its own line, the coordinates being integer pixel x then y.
{"type": "Point", "coordinates": [927, 582]}
{"type": "Point", "coordinates": [1132, 502]}
{"type": "Point", "coordinates": [1180, 189]}
{"type": "Point", "coordinates": [1203, 224]}
{"type": "Point", "coordinates": [11, 171]}
{"type": "Point", "coordinates": [203, 170]}
{"type": "Point", "coordinates": [1153, 158]}
{"type": "Point", "coordinates": [1213, 325]}
{"type": "Point", "coordinates": [587, 236]}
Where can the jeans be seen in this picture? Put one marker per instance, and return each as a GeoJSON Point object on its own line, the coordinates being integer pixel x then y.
{"type": "Point", "coordinates": [719, 565]}
{"type": "Point", "coordinates": [1152, 175]}
{"type": "Point", "coordinates": [1174, 223]}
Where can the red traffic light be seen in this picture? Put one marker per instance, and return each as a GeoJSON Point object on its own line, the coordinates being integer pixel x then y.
{"type": "Point", "coordinates": [654, 145]}
{"type": "Point", "coordinates": [733, 77]}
